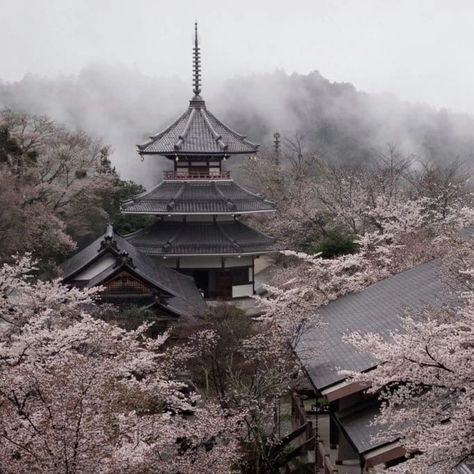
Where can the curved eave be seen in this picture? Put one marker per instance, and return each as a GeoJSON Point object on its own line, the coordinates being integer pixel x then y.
{"type": "Point", "coordinates": [213, 254]}
{"type": "Point", "coordinates": [166, 213]}
{"type": "Point", "coordinates": [197, 124]}
{"type": "Point", "coordinates": [182, 153]}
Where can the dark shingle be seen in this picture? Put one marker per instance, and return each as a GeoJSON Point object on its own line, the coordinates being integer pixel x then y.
{"type": "Point", "coordinates": [357, 422]}
{"type": "Point", "coordinates": [378, 309]}
{"type": "Point", "coordinates": [194, 197]}
{"type": "Point", "coordinates": [197, 131]}
{"type": "Point", "coordinates": [181, 238]}
{"type": "Point", "coordinates": [185, 297]}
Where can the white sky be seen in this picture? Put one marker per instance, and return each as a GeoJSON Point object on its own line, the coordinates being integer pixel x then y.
{"type": "Point", "coordinates": [421, 50]}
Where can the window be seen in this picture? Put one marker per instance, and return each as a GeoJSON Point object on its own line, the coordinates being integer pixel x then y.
{"type": "Point", "coordinates": [240, 276]}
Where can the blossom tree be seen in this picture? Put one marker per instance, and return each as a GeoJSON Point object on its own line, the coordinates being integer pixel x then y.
{"type": "Point", "coordinates": [78, 395]}
{"type": "Point", "coordinates": [57, 186]}
{"type": "Point", "coordinates": [426, 378]}
{"type": "Point", "coordinates": [248, 365]}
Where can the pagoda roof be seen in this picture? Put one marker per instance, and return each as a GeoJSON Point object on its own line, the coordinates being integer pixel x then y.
{"type": "Point", "coordinates": [197, 197]}
{"type": "Point", "coordinates": [171, 238]}
{"type": "Point", "coordinates": [183, 297]}
{"type": "Point", "coordinates": [197, 132]}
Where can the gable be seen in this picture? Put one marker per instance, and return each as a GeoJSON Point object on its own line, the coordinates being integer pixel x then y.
{"type": "Point", "coordinates": [96, 267]}
{"type": "Point", "coordinates": [124, 282]}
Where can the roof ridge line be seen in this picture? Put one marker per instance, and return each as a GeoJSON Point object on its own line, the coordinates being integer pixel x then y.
{"type": "Point", "coordinates": [175, 236]}
{"type": "Point", "coordinates": [228, 202]}
{"type": "Point", "coordinates": [155, 137]}
{"type": "Point", "coordinates": [235, 244]}
{"type": "Point", "coordinates": [185, 131]}
{"type": "Point", "coordinates": [216, 136]}
{"type": "Point", "coordinates": [140, 195]}
{"type": "Point", "coordinates": [171, 203]}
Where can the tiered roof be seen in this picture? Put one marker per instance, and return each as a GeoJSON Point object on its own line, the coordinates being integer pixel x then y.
{"type": "Point", "coordinates": [168, 238]}
{"type": "Point", "coordinates": [197, 197]}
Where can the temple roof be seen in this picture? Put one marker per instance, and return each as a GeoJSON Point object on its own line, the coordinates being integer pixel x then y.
{"type": "Point", "coordinates": [378, 308]}
{"type": "Point", "coordinates": [200, 238]}
{"type": "Point", "coordinates": [197, 131]}
{"type": "Point", "coordinates": [195, 197]}
{"type": "Point", "coordinates": [184, 298]}
{"type": "Point", "coordinates": [357, 421]}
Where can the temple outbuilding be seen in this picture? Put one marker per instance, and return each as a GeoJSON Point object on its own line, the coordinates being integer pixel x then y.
{"type": "Point", "coordinates": [132, 278]}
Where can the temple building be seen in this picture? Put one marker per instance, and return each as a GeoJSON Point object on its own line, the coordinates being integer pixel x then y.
{"type": "Point", "coordinates": [198, 205]}
{"type": "Point", "coordinates": [131, 278]}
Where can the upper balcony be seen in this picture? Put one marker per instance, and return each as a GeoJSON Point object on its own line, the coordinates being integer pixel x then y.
{"type": "Point", "coordinates": [188, 175]}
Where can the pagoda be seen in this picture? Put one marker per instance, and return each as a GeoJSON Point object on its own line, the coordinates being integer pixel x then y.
{"type": "Point", "coordinates": [198, 205]}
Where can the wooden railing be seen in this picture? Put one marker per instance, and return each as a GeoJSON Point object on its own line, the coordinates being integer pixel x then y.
{"type": "Point", "coordinates": [309, 436]}
{"type": "Point", "coordinates": [204, 175]}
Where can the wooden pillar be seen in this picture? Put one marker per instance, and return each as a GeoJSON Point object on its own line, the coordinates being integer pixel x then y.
{"type": "Point", "coordinates": [253, 274]}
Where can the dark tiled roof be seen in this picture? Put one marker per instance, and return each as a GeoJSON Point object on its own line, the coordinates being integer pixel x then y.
{"type": "Point", "coordinates": [184, 295]}
{"type": "Point", "coordinates": [378, 309]}
{"type": "Point", "coordinates": [356, 421]}
{"type": "Point", "coordinates": [185, 238]}
{"type": "Point", "coordinates": [467, 467]}
{"type": "Point", "coordinates": [197, 131]}
{"type": "Point", "coordinates": [194, 197]}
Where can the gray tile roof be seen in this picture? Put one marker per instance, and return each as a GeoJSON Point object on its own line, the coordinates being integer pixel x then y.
{"type": "Point", "coordinates": [378, 308]}
{"type": "Point", "coordinates": [197, 131]}
{"type": "Point", "coordinates": [195, 197]}
{"type": "Point", "coordinates": [466, 467]}
{"type": "Point", "coordinates": [185, 238]}
{"type": "Point", "coordinates": [184, 295]}
{"type": "Point", "coordinates": [356, 422]}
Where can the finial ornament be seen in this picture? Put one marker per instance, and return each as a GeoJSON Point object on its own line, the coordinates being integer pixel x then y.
{"type": "Point", "coordinates": [276, 144]}
{"type": "Point", "coordinates": [196, 63]}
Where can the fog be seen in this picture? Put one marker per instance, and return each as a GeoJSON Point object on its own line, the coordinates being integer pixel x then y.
{"type": "Point", "coordinates": [123, 107]}
{"type": "Point", "coordinates": [419, 50]}
{"type": "Point", "coordinates": [397, 72]}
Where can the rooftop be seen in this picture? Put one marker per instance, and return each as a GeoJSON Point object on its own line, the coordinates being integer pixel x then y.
{"type": "Point", "coordinates": [357, 423]}
{"type": "Point", "coordinates": [168, 238]}
{"type": "Point", "coordinates": [378, 308]}
{"type": "Point", "coordinates": [184, 298]}
{"type": "Point", "coordinates": [177, 196]}
{"type": "Point", "coordinates": [197, 131]}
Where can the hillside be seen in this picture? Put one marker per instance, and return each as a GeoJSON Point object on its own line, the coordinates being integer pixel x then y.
{"type": "Point", "coordinates": [341, 123]}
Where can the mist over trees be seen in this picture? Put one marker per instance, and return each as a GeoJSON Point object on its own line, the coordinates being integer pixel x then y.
{"type": "Point", "coordinates": [340, 123]}
{"type": "Point", "coordinates": [79, 394]}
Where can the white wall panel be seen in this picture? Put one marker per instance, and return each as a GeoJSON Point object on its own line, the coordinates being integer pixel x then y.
{"type": "Point", "coordinates": [200, 262]}
{"type": "Point", "coordinates": [240, 291]}
{"type": "Point", "coordinates": [238, 262]}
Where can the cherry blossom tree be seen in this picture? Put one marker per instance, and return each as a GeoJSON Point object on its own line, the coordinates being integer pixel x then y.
{"type": "Point", "coordinates": [248, 365]}
{"type": "Point", "coordinates": [78, 395]}
{"type": "Point", "coordinates": [392, 193]}
{"type": "Point", "coordinates": [426, 378]}
{"type": "Point", "coordinates": [57, 186]}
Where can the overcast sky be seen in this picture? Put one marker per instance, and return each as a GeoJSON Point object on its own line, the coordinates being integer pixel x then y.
{"type": "Point", "coordinates": [421, 50]}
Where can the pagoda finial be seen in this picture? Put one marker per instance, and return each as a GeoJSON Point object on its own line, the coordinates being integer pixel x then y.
{"type": "Point", "coordinates": [196, 63]}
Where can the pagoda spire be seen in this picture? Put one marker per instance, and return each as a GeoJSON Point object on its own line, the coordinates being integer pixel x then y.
{"type": "Point", "coordinates": [196, 63]}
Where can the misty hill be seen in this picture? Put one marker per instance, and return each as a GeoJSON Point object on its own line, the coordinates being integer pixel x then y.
{"type": "Point", "coordinates": [341, 123]}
